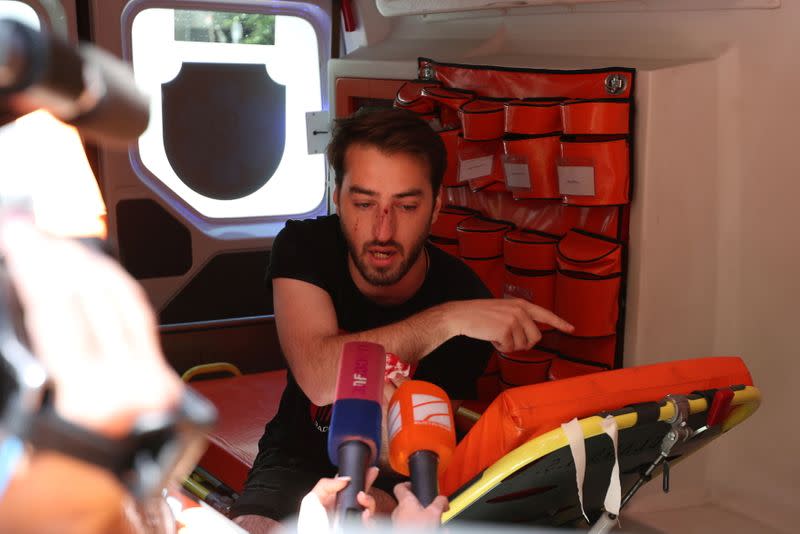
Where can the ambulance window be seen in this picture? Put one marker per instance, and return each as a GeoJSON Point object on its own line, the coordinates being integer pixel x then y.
{"type": "Point", "coordinates": [230, 92]}
{"type": "Point", "coordinates": [19, 11]}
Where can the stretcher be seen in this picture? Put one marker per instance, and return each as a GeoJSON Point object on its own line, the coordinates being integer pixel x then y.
{"type": "Point", "coordinates": [515, 464]}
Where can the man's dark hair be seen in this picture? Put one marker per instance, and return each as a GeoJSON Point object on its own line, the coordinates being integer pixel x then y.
{"type": "Point", "coordinates": [392, 131]}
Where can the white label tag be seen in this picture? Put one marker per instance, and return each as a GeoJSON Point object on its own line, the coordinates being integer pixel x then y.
{"type": "Point", "coordinates": [517, 175]}
{"type": "Point", "coordinates": [470, 169]}
{"type": "Point", "coordinates": [577, 181]}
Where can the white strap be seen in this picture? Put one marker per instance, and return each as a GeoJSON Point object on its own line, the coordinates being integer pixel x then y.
{"type": "Point", "coordinates": [577, 447]}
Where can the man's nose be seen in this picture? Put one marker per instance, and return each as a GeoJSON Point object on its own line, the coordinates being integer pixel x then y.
{"type": "Point", "coordinates": [384, 225]}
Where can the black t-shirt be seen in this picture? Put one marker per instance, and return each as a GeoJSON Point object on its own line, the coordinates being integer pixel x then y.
{"type": "Point", "coordinates": [314, 251]}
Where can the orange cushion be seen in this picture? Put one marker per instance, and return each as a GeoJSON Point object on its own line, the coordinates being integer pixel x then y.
{"type": "Point", "coordinates": [521, 414]}
{"type": "Point", "coordinates": [245, 404]}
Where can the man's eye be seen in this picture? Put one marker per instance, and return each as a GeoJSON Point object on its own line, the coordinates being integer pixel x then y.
{"type": "Point", "coordinates": [363, 205]}
{"type": "Point", "coordinates": [408, 207]}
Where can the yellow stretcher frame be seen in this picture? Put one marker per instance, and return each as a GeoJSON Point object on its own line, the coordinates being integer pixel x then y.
{"type": "Point", "coordinates": [744, 403]}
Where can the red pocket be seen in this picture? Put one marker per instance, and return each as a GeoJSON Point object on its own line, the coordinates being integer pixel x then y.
{"type": "Point", "coordinates": [410, 97]}
{"type": "Point", "coordinates": [443, 230]}
{"type": "Point", "coordinates": [608, 116]}
{"type": "Point", "coordinates": [524, 367]}
{"type": "Point", "coordinates": [561, 368]}
{"type": "Point", "coordinates": [480, 163]}
{"type": "Point", "coordinates": [531, 165]}
{"type": "Point", "coordinates": [534, 116]}
{"type": "Point", "coordinates": [482, 119]}
{"type": "Point", "coordinates": [488, 386]}
{"type": "Point", "coordinates": [594, 172]}
{"type": "Point", "coordinates": [450, 139]}
{"type": "Point", "coordinates": [530, 250]}
{"type": "Point", "coordinates": [592, 350]}
{"type": "Point", "coordinates": [449, 100]}
{"type": "Point", "coordinates": [588, 283]}
{"type": "Point", "coordinates": [480, 245]}
{"type": "Point", "coordinates": [529, 258]}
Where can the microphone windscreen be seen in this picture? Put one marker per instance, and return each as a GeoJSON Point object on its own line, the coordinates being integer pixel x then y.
{"type": "Point", "coordinates": [359, 392]}
{"type": "Point", "coordinates": [420, 418]}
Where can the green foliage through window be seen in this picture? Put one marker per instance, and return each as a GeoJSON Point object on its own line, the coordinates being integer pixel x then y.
{"type": "Point", "coordinates": [221, 27]}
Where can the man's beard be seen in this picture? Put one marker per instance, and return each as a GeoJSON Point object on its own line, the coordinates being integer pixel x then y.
{"type": "Point", "coordinates": [382, 277]}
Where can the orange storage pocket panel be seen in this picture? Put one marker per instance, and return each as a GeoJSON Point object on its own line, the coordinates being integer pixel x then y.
{"type": "Point", "coordinates": [561, 368]}
{"type": "Point", "coordinates": [410, 97]}
{"type": "Point", "coordinates": [606, 116]}
{"type": "Point", "coordinates": [450, 139]}
{"type": "Point", "coordinates": [450, 101]}
{"type": "Point", "coordinates": [443, 230]}
{"type": "Point", "coordinates": [482, 119]}
{"type": "Point", "coordinates": [594, 171]}
{"type": "Point", "coordinates": [480, 245]}
{"type": "Point", "coordinates": [530, 165]}
{"type": "Point", "coordinates": [480, 164]}
{"type": "Point", "coordinates": [588, 283]}
{"type": "Point", "coordinates": [525, 367]}
{"type": "Point", "coordinates": [533, 116]}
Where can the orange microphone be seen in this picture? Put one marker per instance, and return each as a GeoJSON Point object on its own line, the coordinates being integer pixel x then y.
{"type": "Point", "coordinates": [421, 436]}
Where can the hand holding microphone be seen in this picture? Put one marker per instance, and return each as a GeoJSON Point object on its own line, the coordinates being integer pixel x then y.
{"type": "Point", "coordinates": [421, 436]}
{"type": "Point", "coordinates": [354, 437]}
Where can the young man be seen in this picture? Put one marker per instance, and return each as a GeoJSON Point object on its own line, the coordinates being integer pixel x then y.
{"type": "Point", "coordinates": [368, 274]}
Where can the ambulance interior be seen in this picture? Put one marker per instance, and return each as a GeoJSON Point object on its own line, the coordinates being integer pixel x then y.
{"type": "Point", "coordinates": [711, 261]}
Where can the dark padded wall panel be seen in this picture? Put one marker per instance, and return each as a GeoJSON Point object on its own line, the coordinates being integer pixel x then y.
{"type": "Point", "coordinates": [152, 243]}
{"type": "Point", "coordinates": [230, 285]}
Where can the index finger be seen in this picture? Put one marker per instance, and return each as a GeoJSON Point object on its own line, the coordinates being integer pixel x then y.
{"type": "Point", "coordinates": [542, 315]}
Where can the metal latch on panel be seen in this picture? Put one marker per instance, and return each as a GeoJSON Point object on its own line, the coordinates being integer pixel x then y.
{"type": "Point", "coordinates": [318, 131]}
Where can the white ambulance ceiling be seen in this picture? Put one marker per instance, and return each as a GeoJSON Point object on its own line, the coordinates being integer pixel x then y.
{"type": "Point", "coordinates": [393, 8]}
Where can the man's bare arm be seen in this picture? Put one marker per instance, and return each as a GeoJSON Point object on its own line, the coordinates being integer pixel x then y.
{"type": "Point", "coordinates": [310, 338]}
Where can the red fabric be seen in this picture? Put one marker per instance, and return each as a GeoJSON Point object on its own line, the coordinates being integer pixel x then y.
{"type": "Point", "coordinates": [410, 97]}
{"type": "Point", "coordinates": [611, 163]}
{"type": "Point", "coordinates": [540, 289]}
{"type": "Point", "coordinates": [525, 83]}
{"type": "Point", "coordinates": [244, 404]}
{"type": "Point", "coordinates": [596, 117]}
{"type": "Point", "coordinates": [533, 116]}
{"type": "Point", "coordinates": [482, 120]}
{"type": "Point", "coordinates": [468, 150]}
{"type": "Point", "coordinates": [450, 139]}
{"type": "Point", "coordinates": [480, 237]}
{"type": "Point", "coordinates": [588, 284]}
{"type": "Point", "coordinates": [529, 249]}
{"type": "Point", "coordinates": [525, 367]}
{"type": "Point", "coordinates": [561, 369]}
{"type": "Point", "coordinates": [541, 155]}
{"type": "Point", "coordinates": [599, 350]}
{"type": "Point", "coordinates": [449, 100]}
{"type": "Point", "coordinates": [521, 414]}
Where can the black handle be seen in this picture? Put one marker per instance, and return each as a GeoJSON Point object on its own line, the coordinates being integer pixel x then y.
{"type": "Point", "coordinates": [353, 459]}
{"type": "Point", "coordinates": [424, 481]}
